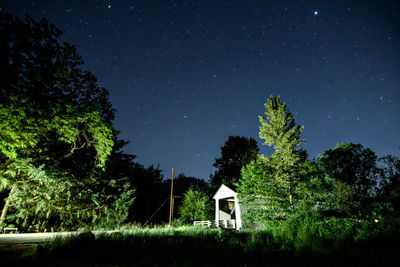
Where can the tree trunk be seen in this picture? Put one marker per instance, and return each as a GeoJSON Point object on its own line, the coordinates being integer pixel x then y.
{"type": "Point", "coordinates": [5, 208]}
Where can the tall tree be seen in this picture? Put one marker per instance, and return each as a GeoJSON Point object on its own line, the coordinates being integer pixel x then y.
{"type": "Point", "coordinates": [237, 152]}
{"type": "Point", "coordinates": [278, 129]}
{"type": "Point", "coordinates": [47, 73]}
{"type": "Point", "coordinates": [55, 124]}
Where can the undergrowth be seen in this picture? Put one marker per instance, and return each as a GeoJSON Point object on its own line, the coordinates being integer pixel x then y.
{"type": "Point", "coordinates": [195, 246]}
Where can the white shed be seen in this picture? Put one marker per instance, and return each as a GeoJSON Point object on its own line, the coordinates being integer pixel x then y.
{"type": "Point", "coordinates": [227, 206]}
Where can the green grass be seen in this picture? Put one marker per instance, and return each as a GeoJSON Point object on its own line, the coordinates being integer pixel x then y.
{"type": "Point", "coordinates": [192, 246]}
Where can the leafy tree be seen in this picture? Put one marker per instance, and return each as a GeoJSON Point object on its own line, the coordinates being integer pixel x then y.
{"type": "Point", "coordinates": [268, 184]}
{"type": "Point", "coordinates": [36, 65]}
{"type": "Point", "coordinates": [313, 189]}
{"type": "Point", "coordinates": [235, 153]}
{"type": "Point", "coordinates": [353, 172]}
{"type": "Point", "coordinates": [56, 108]}
{"type": "Point", "coordinates": [279, 130]}
{"type": "Point", "coordinates": [195, 206]}
{"type": "Point", "coordinates": [352, 164]}
{"type": "Point", "coordinates": [258, 195]}
{"type": "Point", "coordinates": [55, 129]}
{"type": "Point", "coordinates": [37, 197]}
{"type": "Point", "coordinates": [52, 139]}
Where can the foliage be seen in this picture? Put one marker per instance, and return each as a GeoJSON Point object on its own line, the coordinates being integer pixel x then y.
{"type": "Point", "coordinates": [138, 246]}
{"type": "Point", "coordinates": [183, 183]}
{"type": "Point", "coordinates": [313, 189]}
{"type": "Point", "coordinates": [39, 197]}
{"type": "Point", "coordinates": [342, 197]}
{"type": "Point", "coordinates": [116, 197]}
{"type": "Point", "coordinates": [352, 172]}
{"type": "Point", "coordinates": [46, 199]}
{"type": "Point", "coordinates": [352, 164]}
{"type": "Point", "coordinates": [235, 153]}
{"type": "Point", "coordinates": [23, 135]}
{"type": "Point", "coordinates": [150, 191]}
{"type": "Point", "coordinates": [257, 193]}
{"type": "Point", "coordinates": [279, 130]}
{"type": "Point", "coordinates": [49, 107]}
{"type": "Point", "coordinates": [389, 191]}
{"type": "Point", "coordinates": [195, 206]}
{"type": "Point", "coordinates": [34, 64]}
{"type": "Point", "coordinates": [55, 133]}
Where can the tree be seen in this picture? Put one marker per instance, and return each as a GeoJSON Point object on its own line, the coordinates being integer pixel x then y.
{"type": "Point", "coordinates": [56, 107]}
{"type": "Point", "coordinates": [389, 188]}
{"type": "Point", "coordinates": [258, 195]}
{"type": "Point", "coordinates": [352, 164]}
{"type": "Point", "coordinates": [279, 130]}
{"type": "Point", "coordinates": [195, 206]}
{"type": "Point", "coordinates": [235, 153]}
{"type": "Point", "coordinates": [55, 125]}
{"type": "Point", "coordinates": [150, 192]}
{"type": "Point", "coordinates": [353, 172]}
{"type": "Point", "coordinates": [36, 65]}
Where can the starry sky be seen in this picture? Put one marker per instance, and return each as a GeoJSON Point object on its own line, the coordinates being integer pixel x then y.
{"type": "Point", "coordinates": [185, 75]}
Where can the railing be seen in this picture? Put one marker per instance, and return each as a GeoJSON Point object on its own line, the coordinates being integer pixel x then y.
{"type": "Point", "coordinates": [9, 230]}
{"type": "Point", "coordinates": [227, 224]}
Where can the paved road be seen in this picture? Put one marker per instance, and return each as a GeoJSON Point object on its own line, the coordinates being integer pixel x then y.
{"type": "Point", "coordinates": [32, 237]}
{"type": "Point", "coordinates": [25, 238]}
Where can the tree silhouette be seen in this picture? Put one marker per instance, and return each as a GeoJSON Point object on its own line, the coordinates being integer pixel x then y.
{"type": "Point", "coordinates": [237, 152]}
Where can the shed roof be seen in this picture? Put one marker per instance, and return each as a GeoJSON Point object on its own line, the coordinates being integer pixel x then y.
{"type": "Point", "coordinates": [224, 192]}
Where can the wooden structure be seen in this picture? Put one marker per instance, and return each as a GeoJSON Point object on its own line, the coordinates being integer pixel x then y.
{"type": "Point", "coordinates": [227, 224]}
{"type": "Point", "coordinates": [227, 210]}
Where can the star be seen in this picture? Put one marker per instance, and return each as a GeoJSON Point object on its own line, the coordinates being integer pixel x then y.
{"type": "Point", "coordinates": [316, 12]}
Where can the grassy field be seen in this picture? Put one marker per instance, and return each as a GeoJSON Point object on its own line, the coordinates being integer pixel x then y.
{"type": "Point", "coordinates": [190, 246]}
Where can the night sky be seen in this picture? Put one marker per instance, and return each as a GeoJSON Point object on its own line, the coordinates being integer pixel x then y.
{"type": "Point", "coordinates": [184, 75]}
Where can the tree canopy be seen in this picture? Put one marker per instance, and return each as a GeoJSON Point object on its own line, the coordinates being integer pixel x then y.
{"type": "Point", "coordinates": [56, 131]}
{"type": "Point", "coordinates": [235, 153]}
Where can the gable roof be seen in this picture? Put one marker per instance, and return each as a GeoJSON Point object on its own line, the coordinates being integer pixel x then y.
{"type": "Point", "coordinates": [224, 192]}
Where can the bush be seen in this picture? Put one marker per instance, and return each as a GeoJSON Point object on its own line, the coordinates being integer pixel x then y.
{"type": "Point", "coordinates": [195, 206]}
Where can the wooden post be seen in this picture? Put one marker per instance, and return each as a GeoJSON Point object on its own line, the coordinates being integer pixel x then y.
{"type": "Point", "coordinates": [171, 204]}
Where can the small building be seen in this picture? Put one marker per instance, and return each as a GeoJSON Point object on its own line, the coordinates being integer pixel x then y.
{"type": "Point", "coordinates": [227, 208]}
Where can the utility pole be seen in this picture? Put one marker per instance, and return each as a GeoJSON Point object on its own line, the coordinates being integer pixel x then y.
{"type": "Point", "coordinates": [171, 204]}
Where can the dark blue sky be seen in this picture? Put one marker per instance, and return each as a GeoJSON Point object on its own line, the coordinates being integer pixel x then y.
{"type": "Point", "coordinates": [184, 75]}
